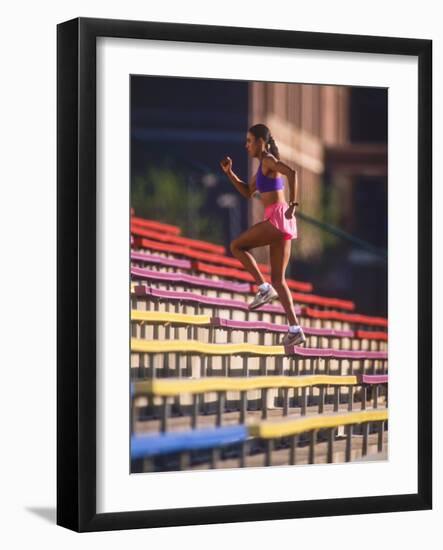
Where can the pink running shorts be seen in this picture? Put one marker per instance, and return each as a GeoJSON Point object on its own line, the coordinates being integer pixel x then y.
{"type": "Point", "coordinates": [275, 213]}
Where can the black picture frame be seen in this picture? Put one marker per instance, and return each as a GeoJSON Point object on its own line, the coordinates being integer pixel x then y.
{"type": "Point", "coordinates": [76, 273]}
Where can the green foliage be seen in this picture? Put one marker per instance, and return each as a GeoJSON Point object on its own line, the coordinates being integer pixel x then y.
{"type": "Point", "coordinates": [170, 195]}
{"type": "Point", "coordinates": [331, 214]}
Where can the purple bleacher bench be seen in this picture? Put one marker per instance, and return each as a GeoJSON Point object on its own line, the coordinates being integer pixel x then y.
{"type": "Point", "coordinates": [142, 290]}
{"type": "Point", "coordinates": [228, 286]}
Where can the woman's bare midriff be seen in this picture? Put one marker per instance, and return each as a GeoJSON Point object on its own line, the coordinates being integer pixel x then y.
{"type": "Point", "coordinates": [270, 197]}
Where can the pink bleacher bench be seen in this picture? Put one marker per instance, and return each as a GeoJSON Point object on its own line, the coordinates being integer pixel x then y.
{"type": "Point", "coordinates": [222, 303]}
{"type": "Point", "coordinates": [160, 260]}
{"type": "Point", "coordinates": [275, 327]}
{"type": "Point", "coordinates": [373, 379]}
{"type": "Point", "coordinates": [320, 300]}
{"type": "Point", "coordinates": [140, 242]}
{"type": "Point", "coordinates": [331, 353]}
{"type": "Point", "coordinates": [140, 273]}
{"type": "Point", "coordinates": [178, 240]}
{"type": "Point", "coordinates": [159, 226]}
{"type": "Point", "coordinates": [244, 288]}
{"type": "Point", "coordinates": [309, 331]}
{"type": "Point", "coordinates": [347, 317]}
{"type": "Point", "coordinates": [234, 273]}
{"type": "Point", "coordinates": [371, 335]}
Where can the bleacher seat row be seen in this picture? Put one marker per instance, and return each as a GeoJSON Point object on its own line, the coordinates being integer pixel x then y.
{"type": "Point", "coordinates": [212, 387]}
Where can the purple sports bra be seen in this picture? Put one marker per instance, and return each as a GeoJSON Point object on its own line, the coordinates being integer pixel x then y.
{"type": "Point", "coordinates": [265, 184]}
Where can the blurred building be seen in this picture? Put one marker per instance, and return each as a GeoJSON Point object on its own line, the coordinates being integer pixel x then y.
{"type": "Point", "coordinates": [315, 130]}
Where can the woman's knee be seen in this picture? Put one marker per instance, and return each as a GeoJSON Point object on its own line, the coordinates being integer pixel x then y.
{"type": "Point", "coordinates": [234, 246]}
{"type": "Point", "coordinates": [278, 281]}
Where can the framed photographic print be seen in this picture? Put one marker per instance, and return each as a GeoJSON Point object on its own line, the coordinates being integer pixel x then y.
{"type": "Point", "coordinates": [244, 274]}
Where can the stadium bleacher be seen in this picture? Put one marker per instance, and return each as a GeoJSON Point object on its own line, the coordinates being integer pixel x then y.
{"type": "Point", "coordinates": [211, 386]}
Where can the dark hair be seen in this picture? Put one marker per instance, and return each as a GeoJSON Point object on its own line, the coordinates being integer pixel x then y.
{"type": "Point", "coordinates": [262, 131]}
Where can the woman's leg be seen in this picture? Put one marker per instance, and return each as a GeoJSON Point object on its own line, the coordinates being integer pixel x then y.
{"type": "Point", "coordinates": [280, 251]}
{"type": "Point", "coordinates": [260, 234]}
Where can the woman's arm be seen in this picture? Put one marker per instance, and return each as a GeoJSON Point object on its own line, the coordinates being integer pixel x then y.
{"type": "Point", "coordinates": [271, 163]}
{"type": "Point", "coordinates": [242, 187]}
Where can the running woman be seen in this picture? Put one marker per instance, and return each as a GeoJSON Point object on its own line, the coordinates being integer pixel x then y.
{"type": "Point", "coordinates": [277, 229]}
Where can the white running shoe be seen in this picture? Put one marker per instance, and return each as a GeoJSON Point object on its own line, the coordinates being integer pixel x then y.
{"type": "Point", "coordinates": [294, 338]}
{"type": "Point", "coordinates": [263, 297]}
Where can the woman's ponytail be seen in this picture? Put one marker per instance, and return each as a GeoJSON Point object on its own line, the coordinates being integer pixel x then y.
{"type": "Point", "coordinates": [272, 146]}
